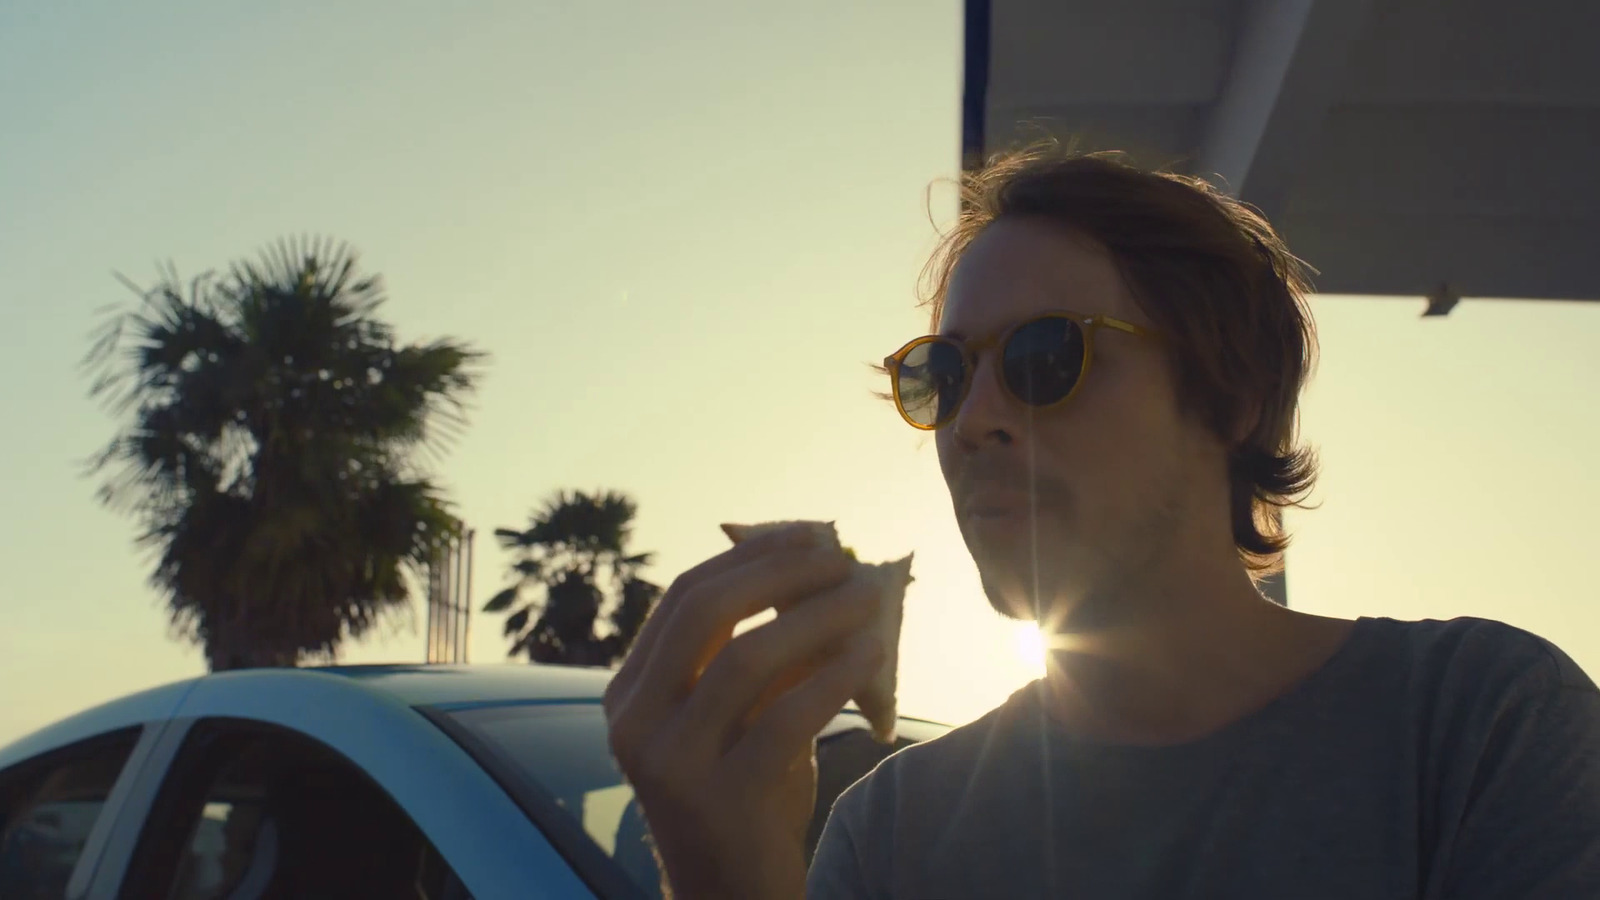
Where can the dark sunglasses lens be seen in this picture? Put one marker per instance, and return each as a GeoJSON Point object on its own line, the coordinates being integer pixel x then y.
{"type": "Point", "coordinates": [929, 381]}
{"type": "Point", "coordinates": [1043, 360]}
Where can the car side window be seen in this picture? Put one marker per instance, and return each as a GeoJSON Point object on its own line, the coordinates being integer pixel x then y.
{"type": "Point", "coordinates": [48, 806]}
{"type": "Point", "coordinates": [254, 812]}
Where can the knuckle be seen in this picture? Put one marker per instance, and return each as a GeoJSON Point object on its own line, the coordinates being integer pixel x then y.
{"type": "Point", "coordinates": [671, 599]}
{"type": "Point", "coordinates": [742, 780]}
{"type": "Point", "coordinates": [764, 758]}
{"type": "Point", "coordinates": [693, 600]}
{"type": "Point", "coordinates": [788, 712]}
{"type": "Point", "coordinates": [741, 659]}
{"type": "Point", "coordinates": [646, 769]}
{"type": "Point", "coordinates": [623, 740]}
{"type": "Point", "coordinates": [611, 698]}
{"type": "Point", "coordinates": [619, 693]}
{"type": "Point", "coordinates": [648, 764]}
{"type": "Point", "coordinates": [720, 607]}
{"type": "Point", "coordinates": [679, 584]}
{"type": "Point", "coordinates": [659, 769]}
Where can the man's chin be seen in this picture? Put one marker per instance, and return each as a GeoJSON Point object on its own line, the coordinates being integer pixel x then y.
{"type": "Point", "coordinates": [1028, 587]}
{"type": "Point", "coordinates": [1018, 558]}
{"type": "Point", "coordinates": [1055, 609]}
{"type": "Point", "coordinates": [1007, 599]}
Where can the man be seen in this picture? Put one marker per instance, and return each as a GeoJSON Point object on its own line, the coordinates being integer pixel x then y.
{"type": "Point", "coordinates": [1113, 385]}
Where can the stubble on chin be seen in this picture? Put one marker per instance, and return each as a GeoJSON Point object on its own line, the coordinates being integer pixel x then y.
{"type": "Point", "coordinates": [1058, 600]}
{"type": "Point", "coordinates": [1072, 589]}
{"type": "Point", "coordinates": [1007, 598]}
{"type": "Point", "coordinates": [1023, 583]}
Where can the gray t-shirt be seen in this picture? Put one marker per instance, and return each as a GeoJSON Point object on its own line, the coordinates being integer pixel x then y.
{"type": "Point", "coordinates": [1456, 759]}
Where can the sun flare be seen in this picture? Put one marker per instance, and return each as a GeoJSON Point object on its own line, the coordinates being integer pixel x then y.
{"type": "Point", "coordinates": [1030, 646]}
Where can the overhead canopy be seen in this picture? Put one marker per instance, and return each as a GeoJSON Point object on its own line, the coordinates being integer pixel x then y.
{"type": "Point", "coordinates": [1403, 147]}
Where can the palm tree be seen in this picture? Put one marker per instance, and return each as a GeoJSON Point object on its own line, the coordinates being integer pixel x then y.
{"type": "Point", "coordinates": [573, 559]}
{"type": "Point", "coordinates": [271, 450]}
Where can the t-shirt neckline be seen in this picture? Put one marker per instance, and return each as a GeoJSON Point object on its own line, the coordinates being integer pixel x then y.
{"type": "Point", "coordinates": [1029, 700]}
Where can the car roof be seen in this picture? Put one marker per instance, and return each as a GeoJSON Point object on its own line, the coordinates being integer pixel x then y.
{"type": "Point", "coordinates": [150, 705]}
{"type": "Point", "coordinates": [445, 686]}
{"type": "Point", "coordinates": [411, 684]}
{"type": "Point", "coordinates": [453, 685]}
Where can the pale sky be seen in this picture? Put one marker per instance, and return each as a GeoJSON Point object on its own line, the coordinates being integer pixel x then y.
{"type": "Point", "coordinates": [681, 230]}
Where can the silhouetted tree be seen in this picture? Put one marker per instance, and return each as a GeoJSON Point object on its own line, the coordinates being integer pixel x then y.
{"type": "Point", "coordinates": [572, 563]}
{"type": "Point", "coordinates": [271, 452]}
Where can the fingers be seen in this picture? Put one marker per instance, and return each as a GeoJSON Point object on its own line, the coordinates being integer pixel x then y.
{"type": "Point", "coordinates": [707, 614]}
{"type": "Point", "coordinates": [785, 731]}
{"type": "Point", "coordinates": [639, 655]}
{"type": "Point", "coordinates": [770, 659]}
{"type": "Point", "coordinates": [697, 626]}
{"type": "Point", "coordinates": [716, 734]}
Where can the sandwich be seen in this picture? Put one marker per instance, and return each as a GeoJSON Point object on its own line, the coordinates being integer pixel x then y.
{"type": "Point", "coordinates": [876, 700]}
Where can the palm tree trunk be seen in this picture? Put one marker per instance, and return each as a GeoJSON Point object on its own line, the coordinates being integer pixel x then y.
{"type": "Point", "coordinates": [225, 656]}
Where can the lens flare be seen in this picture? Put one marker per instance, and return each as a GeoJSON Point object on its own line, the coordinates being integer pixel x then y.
{"type": "Point", "coordinates": [1030, 647]}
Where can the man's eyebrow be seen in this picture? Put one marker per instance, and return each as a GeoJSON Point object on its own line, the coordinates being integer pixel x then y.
{"type": "Point", "coordinates": [954, 334]}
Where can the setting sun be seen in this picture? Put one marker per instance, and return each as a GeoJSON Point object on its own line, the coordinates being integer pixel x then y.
{"type": "Point", "coordinates": [1030, 646]}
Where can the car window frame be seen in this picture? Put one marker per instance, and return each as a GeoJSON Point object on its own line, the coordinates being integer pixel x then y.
{"type": "Point", "coordinates": [145, 737]}
{"type": "Point", "coordinates": [117, 850]}
{"type": "Point", "coordinates": [480, 831]}
{"type": "Point", "coordinates": [202, 764]}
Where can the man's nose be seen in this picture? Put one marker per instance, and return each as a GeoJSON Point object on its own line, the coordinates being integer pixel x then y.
{"type": "Point", "coordinates": [988, 414]}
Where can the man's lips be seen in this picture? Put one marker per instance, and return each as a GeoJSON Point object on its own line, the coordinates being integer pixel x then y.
{"type": "Point", "coordinates": [994, 487]}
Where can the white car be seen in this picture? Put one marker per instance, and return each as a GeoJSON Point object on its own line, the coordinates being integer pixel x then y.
{"type": "Point", "coordinates": [415, 782]}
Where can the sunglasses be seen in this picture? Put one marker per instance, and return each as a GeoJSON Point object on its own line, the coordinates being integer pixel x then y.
{"type": "Point", "coordinates": [1043, 362]}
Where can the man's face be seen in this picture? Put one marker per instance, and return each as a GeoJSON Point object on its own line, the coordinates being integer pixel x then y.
{"type": "Point", "coordinates": [1065, 506]}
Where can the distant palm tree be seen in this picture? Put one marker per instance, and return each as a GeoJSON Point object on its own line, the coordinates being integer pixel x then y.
{"type": "Point", "coordinates": [271, 456]}
{"type": "Point", "coordinates": [573, 560]}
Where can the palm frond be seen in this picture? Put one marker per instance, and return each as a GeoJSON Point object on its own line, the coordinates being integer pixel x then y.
{"type": "Point", "coordinates": [264, 454]}
{"type": "Point", "coordinates": [502, 601]}
{"type": "Point", "coordinates": [517, 621]}
{"type": "Point", "coordinates": [573, 539]}
{"type": "Point", "coordinates": [511, 538]}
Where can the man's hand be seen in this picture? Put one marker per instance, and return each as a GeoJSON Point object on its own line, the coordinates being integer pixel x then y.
{"type": "Point", "coordinates": [717, 734]}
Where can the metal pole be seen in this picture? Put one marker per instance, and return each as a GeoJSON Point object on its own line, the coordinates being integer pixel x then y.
{"type": "Point", "coordinates": [466, 600]}
{"type": "Point", "coordinates": [427, 590]}
{"type": "Point", "coordinates": [433, 599]}
{"type": "Point", "coordinates": [455, 598]}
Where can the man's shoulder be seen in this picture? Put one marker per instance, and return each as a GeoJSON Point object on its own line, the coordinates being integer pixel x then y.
{"type": "Point", "coordinates": [959, 744]}
{"type": "Point", "coordinates": [1486, 651]}
{"type": "Point", "coordinates": [903, 806]}
{"type": "Point", "coordinates": [1460, 681]}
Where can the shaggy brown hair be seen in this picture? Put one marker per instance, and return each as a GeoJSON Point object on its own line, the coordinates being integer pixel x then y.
{"type": "Point", "coordinates": [1212, 276]}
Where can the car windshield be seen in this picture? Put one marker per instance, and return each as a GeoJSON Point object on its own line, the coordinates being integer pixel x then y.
{"type": "Point", "coordinates": [557, 756]}
{"type": "Point", "coordinates": [560, 752]}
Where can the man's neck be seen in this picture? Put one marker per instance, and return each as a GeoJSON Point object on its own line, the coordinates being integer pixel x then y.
{"type": "Point", "coordinates": [1186, 657]}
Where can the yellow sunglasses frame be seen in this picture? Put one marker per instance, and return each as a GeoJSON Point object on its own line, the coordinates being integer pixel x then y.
{"type": "Point", "coordinates": [1088, 324]}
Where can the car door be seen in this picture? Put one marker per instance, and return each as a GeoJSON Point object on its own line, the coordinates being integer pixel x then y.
{"type": "Point", "coordinates": [255, 811]}
{"type": "Point", "coordinates": [274, 773]}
